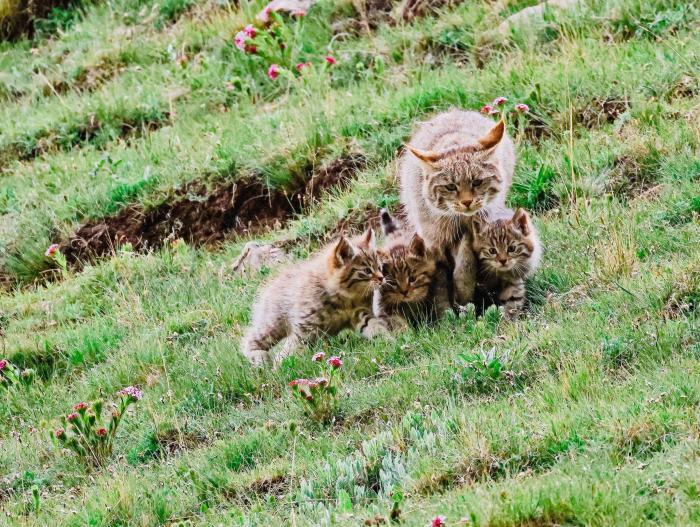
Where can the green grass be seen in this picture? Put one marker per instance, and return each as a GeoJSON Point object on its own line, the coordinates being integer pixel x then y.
{"type": "Point", "coordinates": [597, 425]}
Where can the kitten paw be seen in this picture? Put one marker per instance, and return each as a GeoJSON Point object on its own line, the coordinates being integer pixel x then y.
{"type": "Point", "coordinates": [257, 358]}
{"type": "Point", "coordinates": [375, 328]}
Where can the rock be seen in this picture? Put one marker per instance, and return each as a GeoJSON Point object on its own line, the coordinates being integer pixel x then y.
{"type": "Point", "coordinates": [529, 14]}
{"type": "Point", "coordinates": [254, 256]}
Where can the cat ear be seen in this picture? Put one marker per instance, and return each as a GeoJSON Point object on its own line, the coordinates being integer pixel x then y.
{"type": "Point", "coordinates": [368, 240]}
{"type": "Point", "coordinates": [494, 136]}
{"type": "Point", "coordinates": [521, 220]}
{"type": "Point", "coordinates": [342, 252]}
{"type": "Point", "coordinates": [417, 246]}
{"type": "Point", "coordinates": [426, 157]}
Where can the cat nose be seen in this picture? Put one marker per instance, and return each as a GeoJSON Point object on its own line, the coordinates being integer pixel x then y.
{"type": "Point", "coordinates": [467, 202]}
{"type": "Point", "coordinates": [502, 260]}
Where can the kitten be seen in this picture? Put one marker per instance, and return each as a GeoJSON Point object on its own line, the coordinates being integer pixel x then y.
{"type": "Point", "coordinates": [321, 296]}
{"type": "Point", "coordinates": [508, 250]}
{"type": "Point", "coordinates": [413, 291]}
{"type": "Point", "coordinates": [457, 164]}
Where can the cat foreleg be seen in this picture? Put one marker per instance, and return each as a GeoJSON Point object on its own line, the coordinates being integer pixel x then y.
{"type": "Point", "coordinates": [512, 297]}
{"type": "Point", "coordinates": [464, 274]}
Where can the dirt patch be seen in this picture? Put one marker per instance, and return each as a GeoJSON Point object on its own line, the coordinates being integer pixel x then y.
{"type": "Point", "coordinates": [685, 88]}
{"type": "Point", "coordinates": [602, 111]}
{"type": "Point", "coordinates": [262, 488]}
{"type": "Point", "coordinates": [635, 172]}
{"type": "Point", "coordinates": [202, 216]}
{"type": "Point", "coordinates": [537, 128]}
{"type": "Point", "coordinates": [685, 295]}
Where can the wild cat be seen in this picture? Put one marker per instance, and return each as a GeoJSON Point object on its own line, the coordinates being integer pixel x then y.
{"type": "Point", "coordinates": [414, 288]}
{"type": "Point", "coordinates": [456, 165]}
{"type": "Point", "coordinates": [321, 296]}
{"type": "Point", "coordinates": [508, 251]}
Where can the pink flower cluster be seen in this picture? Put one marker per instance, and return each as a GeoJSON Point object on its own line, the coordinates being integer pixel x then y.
{"type": "Point", "coordinates": [244, 37]}
{"type": "Point", "coordinates": [335, 362]}
{"type": "Point", "coordinates": [133, 392]}
{"type": "Point", "coordinates": [80, 407]}
{"type": "Point", "coordinates": [52, 250]}
{"type": "Point", "coordinates": [3, 364]}
{"type": "Point", "coordinates": [438, 521]}
{"type": "Point", "coordinates": [491, 109]}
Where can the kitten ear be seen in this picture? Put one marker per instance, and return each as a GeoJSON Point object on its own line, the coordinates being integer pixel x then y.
{"type": "Point", "coordinates": [388, 223]}
{"type": "Point", "coordinates": [367, 241]}
{"type": "Point", "coordinates": [342, 252]}
{"type": "Point", "coordinates": [521, 220]}
{"type": "Point", "coordinates": [417, 246]}
{"type": "Point", "coordinates": [494, 136]}
{"type": "Point", "coordinates": [427, 158]}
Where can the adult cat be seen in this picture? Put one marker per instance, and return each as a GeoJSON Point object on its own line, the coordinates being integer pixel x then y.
{"type": "Point", "coordinates": [457, 164]}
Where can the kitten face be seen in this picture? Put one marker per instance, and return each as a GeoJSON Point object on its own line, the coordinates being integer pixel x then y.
{"type": "Point", "coordinates": [505, 245]}
{"type": "Point", "coordinates": [356, 265]}
{"type": "Point", "coordinates": [408, 270]}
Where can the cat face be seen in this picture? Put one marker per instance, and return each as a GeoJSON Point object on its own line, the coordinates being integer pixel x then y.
{"type": "Point", "coordinates": [505, 245]}
{"type": "Point", "coordinates": [462, 180]}
{"type": "Point", "coordinates": [356, 265]}
{"type": "Point", "coordinates": [408, 270]}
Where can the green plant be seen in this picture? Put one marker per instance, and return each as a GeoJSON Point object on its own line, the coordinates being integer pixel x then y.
{"type": "Point", "coordinates": [12, 377]}
{"type": "Point", "coordinates": [86, 433]}
{"type": "Point", "coordinates": [319, 396]}
{"type": "Point", "coordinates": [484, 373]}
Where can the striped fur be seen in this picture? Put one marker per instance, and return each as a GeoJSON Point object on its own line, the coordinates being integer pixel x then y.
{"type": "Point", "coordinates": [508, 251]}
{"type": "Point", "coordinates": [321, 296]}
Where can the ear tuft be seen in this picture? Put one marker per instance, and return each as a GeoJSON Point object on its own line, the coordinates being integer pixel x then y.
{"type": "Point", "coordinates": [367, 241]}
{"type": "Point", "coordinates": [417, 246]}
{"type": "Point", "coordinates": [341, 254]}
{"type": "Point", "coordinates": [521, 220]}
{"type": "Point", "coordinates": [494, 136]}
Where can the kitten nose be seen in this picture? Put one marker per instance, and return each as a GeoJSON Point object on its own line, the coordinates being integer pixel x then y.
{"type": "Point", "coordinates": [467, 202]}
{"type": "Point", "coordinates": [502, 260]}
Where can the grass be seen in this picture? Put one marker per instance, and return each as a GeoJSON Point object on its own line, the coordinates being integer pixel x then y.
{"type": "Point", "coordinates": [582, 413]}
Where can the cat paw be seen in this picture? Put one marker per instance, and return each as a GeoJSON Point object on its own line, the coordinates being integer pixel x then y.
{"type": "Point", "coordinates": [376, 328]}
{"type": "Point", "coordinates": [257, 358]}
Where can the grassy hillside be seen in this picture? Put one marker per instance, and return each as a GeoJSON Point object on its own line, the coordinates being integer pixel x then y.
{"type": "Point", "coordinates": [140, 139]}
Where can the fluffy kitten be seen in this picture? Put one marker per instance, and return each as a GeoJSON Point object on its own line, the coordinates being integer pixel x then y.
{"type": "Point", "coordinates": [508, 250]}
{"type": "Point", "coordinates": [457, 164]}
{"type": "Point", "coordinates": [321, 296]}
{"type": "Point", "coordinates": [414, 290]}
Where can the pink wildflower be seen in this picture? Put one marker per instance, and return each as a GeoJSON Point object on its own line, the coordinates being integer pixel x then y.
{"type": "Point", "coordinates": [331, 60]}
{"type": "Point", "coordinates": [522, 108]}
{"type": "Point", "coordinates": [498, 101]}
{"type": "Point", "coordinates": [318, 357]}
{"type": "Point", "coordinates": [438, 521]}
{"type": "Point", "coordinates": [273, 71]}
{"type": "Point", "coordinates": [302, 65]}
{"type": "Point", "coordinates": [80, 407]}
{"type": "Point", "coordinates": [264, 15]}
{"type": "Point", "coordinates": [249, 31]}
{"type": "Point", "coordinates": [101, 432]}
{"type": "Point", "coordinates": [299, 382]}
{"type": "Point", "coordinates": [59, 433]}
{"type": "Point", "coordinates": [132, 392]}
{"type": "Point", "coordinates": [335, 362]}
{"type": "Point", "coordinates": [52, 250]}
{"type": "Point", "coordinates": [487, 108]}
{"type": "Point", "coordinates": [242, 40]}
{"type": "Point", "coordinates": [4, 363]}
{"type": "Point", "coordinates": [72, 417]}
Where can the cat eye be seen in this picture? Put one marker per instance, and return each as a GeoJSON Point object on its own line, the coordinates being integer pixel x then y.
{"type": "Point", "coordinates": [477, 183]}
{"type": "Point", "coordinates": [451, 187]}
{"type": "Point", "coordinates": [492, 250]}
{"type": "Point", "coordinates": [511, 248]}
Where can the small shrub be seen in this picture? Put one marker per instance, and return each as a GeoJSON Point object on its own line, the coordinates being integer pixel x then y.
{"type": "Point", "coordinates": [85, 433]}
{"type": "Point", "coordinates": [484, 373]}
{"type": "Point", "coordinates": [319, 397]}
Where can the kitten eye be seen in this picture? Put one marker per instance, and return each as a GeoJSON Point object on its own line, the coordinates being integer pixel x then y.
{"type": "Point", "coordinates": [477, 183]}
{"type": "Point", "coordinates": [511, 248]}
{"type": "Point", "coordinates": [451, 187]}
{"type": "Point", "coordinates": [492, 250]}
